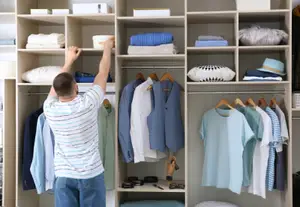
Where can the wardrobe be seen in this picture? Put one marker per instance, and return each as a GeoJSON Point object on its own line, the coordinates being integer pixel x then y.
{"type": "Point", "coordinates": [189, 19]}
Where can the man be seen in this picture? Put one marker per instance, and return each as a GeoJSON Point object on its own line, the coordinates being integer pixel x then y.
{"type": "Point", "coordinates": [73, 120]}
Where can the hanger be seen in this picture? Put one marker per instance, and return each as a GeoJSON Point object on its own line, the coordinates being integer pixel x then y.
{"type": "Point", "coordinates": [140, 76]}
{"type": "Point", "coordinates": [250, 102]}
{"type": "Point", "coordinates": [225, 103]}
{"type": "Point", "coordinates": [238, 101]}
{"type": "Point", "coordinates": [106, 104]}
{"type": "Point", "coordinates": [273, 103]}
{"type": "Point", "coordinates": [262, 102]}
{"type": "Point", "coordinates": [167, 76]}
{"type": "Point", "coordinates": [153, 76]}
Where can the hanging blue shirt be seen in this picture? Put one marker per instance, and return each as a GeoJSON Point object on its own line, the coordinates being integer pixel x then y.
{"type": "Point", "coordinates": [276, 140]}
{"type": "Point", "coordinates": [124, 120]}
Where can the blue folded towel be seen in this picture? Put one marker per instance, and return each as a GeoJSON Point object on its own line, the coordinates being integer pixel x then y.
{"type": "Point", "coordinates": [257, 73]}
{"type": "Point", "coordinates": [211, 43]}
{"type": "Point", "coordinates": [151, 39]}
{"type": "Point", "coordinates": [82, 77]}
{"type": "Point", "coordinates": [7, 41]}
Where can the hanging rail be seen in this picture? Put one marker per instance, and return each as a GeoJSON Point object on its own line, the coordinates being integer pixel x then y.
{"type": "Point", "coordinates": [235, 92]}
{"type": "Point", "coordinates": [43, 93]}
{"type": "Point", "coordinates": [153, 67]}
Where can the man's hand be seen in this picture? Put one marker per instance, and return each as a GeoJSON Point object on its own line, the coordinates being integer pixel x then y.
{"type": "Point", "coordinates": [72, 55]}
{"type": "Point", "coordinates": [109, 44]}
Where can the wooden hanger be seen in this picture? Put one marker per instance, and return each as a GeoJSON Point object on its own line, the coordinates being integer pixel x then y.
{"type": "Point", "coordinates": [167, 76]}
{"type": "Point", "coordinates": [106, 104]}
{"type": "Point", "coordinates": [223, 102]}
{"type": "Point", "coordinates": [238, 101]}
{"type": "Point", "coordinates": [140, 76]}
{"type": "Point", "coordinates": [250, 102]}
{"type": "Point", "coordinates": [153, 76]}
{"type": "Point", "coordinates": [262, 103]}
{"type": "Point", "coordinates": [273, 103]}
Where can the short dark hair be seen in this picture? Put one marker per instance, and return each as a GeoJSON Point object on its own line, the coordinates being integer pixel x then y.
{"type": "Point", "coordinates": [63, 84]}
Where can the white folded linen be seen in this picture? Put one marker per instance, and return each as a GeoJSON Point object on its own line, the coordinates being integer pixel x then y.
{"type": "Point", "coordinates": [262, 78]}
{"type": "Point", "coordinates": [164, 49]}
{"type": "Point", "coordinates": [48, 39]}
{"type": "Point", "coordinates": [42, 46]}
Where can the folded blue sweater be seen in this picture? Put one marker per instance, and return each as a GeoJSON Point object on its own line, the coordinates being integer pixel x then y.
{"type": "Point", "coordinates": [151, 39]}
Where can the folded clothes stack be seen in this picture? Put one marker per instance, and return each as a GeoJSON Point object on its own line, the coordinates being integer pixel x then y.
{"type": "Point", "coordinates": [46, 41]}
{"type": "Point", "coordinates": [210, 41]}
{"type": "Point", "coordinates": [8, 41]}
{"type": "Point", "coordinates": [272, 70]}
{"type": "Point", "coordinates": [82, 77]}
{"type": "Point", "coordinates": [152, 44]}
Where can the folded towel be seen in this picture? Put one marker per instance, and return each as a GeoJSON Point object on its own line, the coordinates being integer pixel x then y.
{"type": "Point", "coordinates": [262, 74]}
{"type": "Point", "coordinates": [82, 77]}
{"type": "Point", "coordinates": [41, 46]}
{"type": "Point", "coordinates": [210, 37]}
{"type": "Point", "coordinates": [211, 43]}
{"type": "Point", "coordinates": [165, 49]}
{"type": "Point", "coordinates": [53, 38]}
{"type": "Point", "coordinates": [151, 39]}
{"type": "Point", "coordinates": [7, 41]}
{"type": "Point", "coordinates": [253, 78]}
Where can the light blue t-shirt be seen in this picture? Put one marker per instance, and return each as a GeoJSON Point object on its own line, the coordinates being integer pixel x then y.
{"type": "Point", "coordinates": [225, 133]}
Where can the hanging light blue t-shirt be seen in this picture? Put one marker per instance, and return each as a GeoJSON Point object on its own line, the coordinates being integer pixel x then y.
{"type": "Point", "coordinates": [225, 133]}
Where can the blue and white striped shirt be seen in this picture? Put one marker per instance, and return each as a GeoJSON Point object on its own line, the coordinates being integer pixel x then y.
{"type": "Point", "coordinates": [75, 129]}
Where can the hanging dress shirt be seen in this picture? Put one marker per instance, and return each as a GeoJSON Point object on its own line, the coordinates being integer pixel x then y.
{"type": "Point", "coordinates": [29, 138]}
{"type": "Point", "coordinates": [107, 144]}
{"type": "Point", "coordinates": [165, 123]}
{"type": "Point", "coordinates": [274, 145]}
{"type": "Point", "coordinates": [140, 110]}
{"type": "Point", "coordinates": [124, 120]}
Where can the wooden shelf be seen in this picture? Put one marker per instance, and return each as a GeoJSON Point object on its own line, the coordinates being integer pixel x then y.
{"type": "Point", "coordinates": [196, 50]}
{"type": "Point", "coordinates": [43, 51]}
{"type": "Point", "coordinates": [150, 57]}
{"type": "Point", "coordinates": [240, 83]}
{"type": "Point", "coordinates": [93, 51]}
{"type": "Point", "coordinates": [94, 19]}
{"type": "Point", "coordinates": [172, 21]}
{"type": "Point", "coordinates": [7, 17]}
{"type": "Point", "coordinates": [264, 48]}
{"type": "Point", "coordinates": [7, 46]}
{"type": "Point", "coordinates": [44, 19]}
{"type": "Point", "coordinates": [151, 189]}
{"type": "Point", "coordinates": [269, 13]}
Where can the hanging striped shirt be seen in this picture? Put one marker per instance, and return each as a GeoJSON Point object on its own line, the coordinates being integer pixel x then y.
{"type": "Point", "coordinates": [75, 129]}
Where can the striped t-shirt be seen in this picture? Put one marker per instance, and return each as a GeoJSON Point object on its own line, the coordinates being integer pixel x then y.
{"type": "Point", "coordinates": [75, 129]}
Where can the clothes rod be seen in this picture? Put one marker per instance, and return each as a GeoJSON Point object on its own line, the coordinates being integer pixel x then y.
{"type": "Point", "coordinates": [235, 92]}
{"type": "Point", "coordinates": [32, 93]}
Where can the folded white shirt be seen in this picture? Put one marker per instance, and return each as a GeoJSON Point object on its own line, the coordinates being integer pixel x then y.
{"type": "Point", "coordinates": [166, 49]}
{"type": "Point", "coordinates": [53, 38]}
{"type": "Point", "coordinates": [262, 78]}
{"type": "Point", "coordinates": [42, 46]}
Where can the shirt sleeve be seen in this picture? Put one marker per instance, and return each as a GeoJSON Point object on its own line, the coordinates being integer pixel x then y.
{"type": "Point", "coordinates": [95, 95]}
{"type": "Point", "coordinates": [202, 128]}
{"type": "Point", "coordinates": [247, 132]}
{"type": "Point", "coordinates": [260, 129]}
{"type": "Point", "coordinates": [49, 103]}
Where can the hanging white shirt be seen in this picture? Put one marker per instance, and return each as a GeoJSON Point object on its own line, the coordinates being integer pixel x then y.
{"type": "Point", "coordinates": [260, 157]}
{"type": "Point", "coordinates": [139, 131]}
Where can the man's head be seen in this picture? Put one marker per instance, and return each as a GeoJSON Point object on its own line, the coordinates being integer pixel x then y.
{"type": "Point", "coordinates": [65, 86]}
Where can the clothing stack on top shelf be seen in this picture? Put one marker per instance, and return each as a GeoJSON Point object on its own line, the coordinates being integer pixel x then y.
{"type": "Point", "coordinates": [156, 43]}
{"type": "Point", "coordinates": [271, 70]}
{"type": "Point", "coordinates": [210, 41]}
{"type": "Point", "coordinates": [255, 135]}
{"type": "Point", "coordinates": [148, 110]}
{"type": "Point", "coordinates": [83, 77]}
{"type": "Point", "coordinates": [8, 41]}
{"type": "Point", "coordinates": [45, 41]}
{"type": "Point", "coordinates": [39, 143]}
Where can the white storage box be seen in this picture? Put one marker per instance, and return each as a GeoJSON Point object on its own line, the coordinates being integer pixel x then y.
{"type": "Point", "coordinates": [91, 8]}
{"type": "Point", "coordinates": [253, 5]}
{"type": "Point", "coordinates": [98, 41]}
{"type": "Point", "coordinates": [7, 69]}
{"type": "Point", "coordinates": [40, 11]}
{"type": "Point", "coordinates": [151, 12]}
{"type": "Point", "coordinates": [60, 11]}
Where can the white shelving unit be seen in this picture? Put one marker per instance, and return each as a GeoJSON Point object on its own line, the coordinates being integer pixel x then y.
{"type": "Point", "coordinates": [190, 18]}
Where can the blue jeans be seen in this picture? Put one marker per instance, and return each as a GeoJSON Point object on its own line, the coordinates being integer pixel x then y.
{"type": "Point", "coordinates": [71, 192]}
